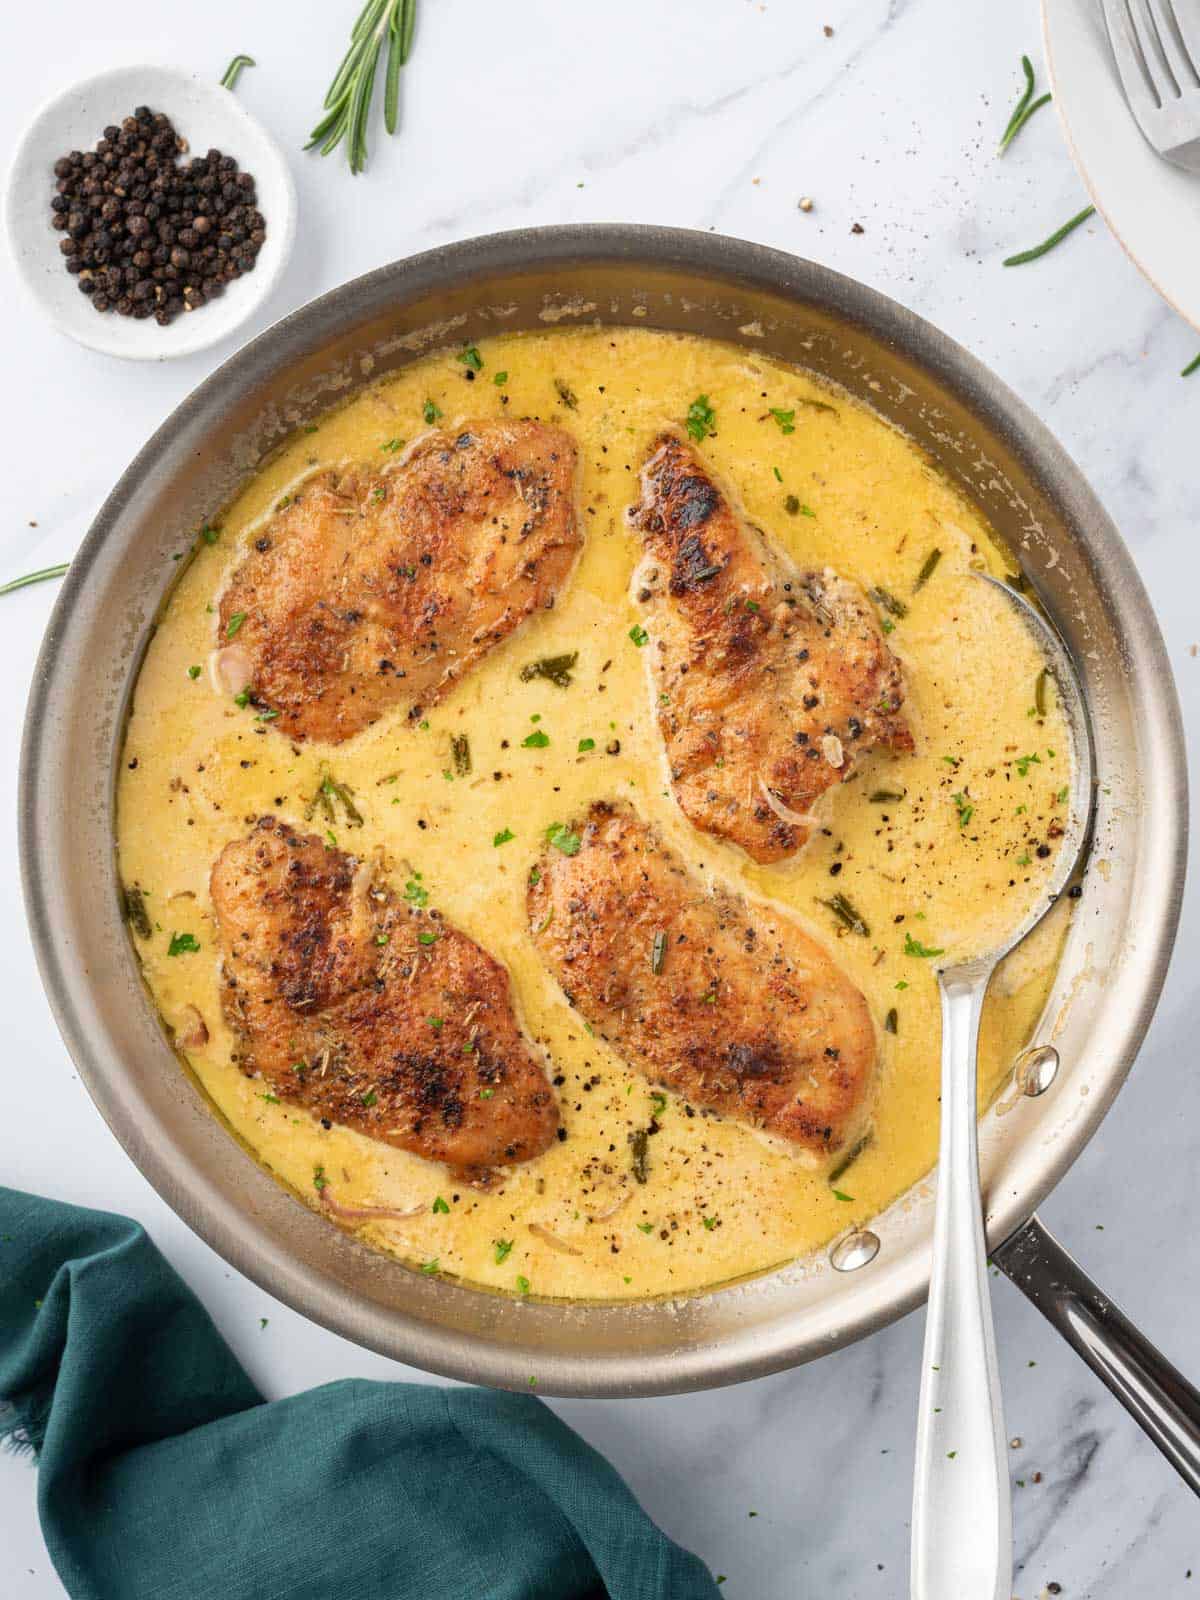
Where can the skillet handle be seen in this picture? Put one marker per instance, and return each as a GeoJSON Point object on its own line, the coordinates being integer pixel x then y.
{"type": "Point", "coordinates": [1154, 1392]}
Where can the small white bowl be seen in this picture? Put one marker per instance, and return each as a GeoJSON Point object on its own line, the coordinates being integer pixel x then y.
{"type": "Point", "coordinates": [204, 114]}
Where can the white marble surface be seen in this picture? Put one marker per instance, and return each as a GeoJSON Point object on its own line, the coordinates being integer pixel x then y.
{"type": "Point", "coordinates": [720, 114]}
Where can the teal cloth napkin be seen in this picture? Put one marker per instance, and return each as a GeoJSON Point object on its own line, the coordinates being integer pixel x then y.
{"type": "Point", "coordinates": [164, 1475]}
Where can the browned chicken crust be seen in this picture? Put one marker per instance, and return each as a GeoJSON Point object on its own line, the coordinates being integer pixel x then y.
{"type": "Point", "coordinates": [372, 589]}
{"type": "Point", "coordinates": [372, 1012]}
{"type": "Point", "coordinates": [770, 681]}
{"type": "Point", "coordinates": [728, 1004]}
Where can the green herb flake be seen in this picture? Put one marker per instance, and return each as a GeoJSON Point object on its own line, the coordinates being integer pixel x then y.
{"type": "Point", "coordinates": [427, 938]}
{"type": "Point", "coordinates": [523, 1288]}
{"type": "Point", "coordinates": [415, 892]}
{"type": "Point", "coordinates": [503, 1250]}
{"type": "Point", "coordinates": [639, 635]}
{"type": "Point", "coordinates": [847, 914]}
{"type": "Point", "coordinates": [471, 358]}
{"type": "Point", "coordinates": [194, 673]}
{"type": "Point", "coordinates": [431, 1268]}
{"type": "Point", "coordinates": [838, 1194]}
{"type": "Point", "coordinates": [183, 944]}
{"type": "Point", "coordinates": [700, 419]}
{"type": "Point", "coordinates": [914, 947]}
{"type": "Point", "coordinates": [709, 1222]}
{"type": "Point", "coordinates": [785, 419]}
{"type": "Point", "coordinates": [500, 379]}
{"type": "Point", "coordinates": [430, 412]}
{"type": "Point", "coordinates": [440, 1207]}
{"type": "Point", "coordinates": [566, 394]}
{"type": "Point", "coordinates": [1023, 763]}
{"type": "Point", "coordinates": [928, 568]}
{"type": "Point", "coordinates": [585, 745]}
{"type": "Point", "coordinates": [234, 623]}
{"type": "Point", "coordinates": [319, 1179]}
{"type": "Point", "coordinates": [370, 1099]}
{"type": "Point", "coordinates": [561, 837]}
{"type": "Point", "coordinates": [271, 1099]}
{"type": "Point", "coordinates": [645, 1227]}
{"type": "Point", "coordinates": [537, 740]}
{"type": "Point", "coordinates": [502, 837]}
{"type": "Point", "coordinates": [557, 669]}
{"type": "Point", "coordinates": [964, 808]}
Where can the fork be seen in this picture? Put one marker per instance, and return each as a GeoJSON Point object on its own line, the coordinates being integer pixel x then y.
{"type": "Point", "coordinates": [1157, 47]}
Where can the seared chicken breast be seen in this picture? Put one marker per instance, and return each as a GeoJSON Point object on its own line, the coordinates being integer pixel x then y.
{"type": "Point", "coordinates": [728, 1004]}
{"type": "Point", "coordinates": [374, 589]}
{"type": "Point", "coordinates": [370, 1009]}
{"type": "Point", "coordinates": [770, 681]}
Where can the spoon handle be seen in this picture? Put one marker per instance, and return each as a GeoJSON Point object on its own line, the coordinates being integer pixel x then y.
{"type": "Point", "coordinates": [962, 1516]}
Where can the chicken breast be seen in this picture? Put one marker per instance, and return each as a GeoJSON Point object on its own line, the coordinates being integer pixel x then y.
{"type": "Point", "coordinates": [374, 589]}
{"type": "Point", "coordinates": [372, 1010]}
{"type": "Point", "coordinates": [729, 1004]}
{"type": "Point", "coordinates": [770, 681]}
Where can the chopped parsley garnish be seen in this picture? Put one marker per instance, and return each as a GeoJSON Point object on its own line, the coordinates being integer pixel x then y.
{"type": "Point", "coordinates": [964, 808]}
{"type": "Point", "coordinates": [700, 419]}
{"type": "Point", "coordinates": [903, 984]}
{"type": "Point", "coordinates": [1023, 763]}
{"type": "Point", "coordinates": [486, 1094]}
{"type": "Point", "coordinates": [370, 1099]}
{"type": "Point", "coordinates": [430, 1268]}
{"type": "Point", "coordinates": [838, 1194]}
{"type": "Point", "coordinates": [639, 635]}
{"type": "Point", "coordinates": [427, 938]}
{"type": "Point", "coordinates": [242, 699]}
{"type": "Point", "coordinates": [183, 944]}
{"type": "Point", "coordinates": [440, 1207]}
{"type": "Point", "coordinates": [709, 1222]}
{"type": "Point", "coordinates": [537, 740]}
{"type": "Point", "coordinates": [658, 1104]}
{"type": "Point", "coordinates": [502, 837]}
{"type": "Point", "coordinates": [523, 1288]}
{"type": "Point", "coordinates": [785, 419]}
{"type": "Point", "coordinates": [271, 1099]}
{"type": "Point", "coordinates": [561, 837]}
{"type": "Point", "coordinates": [1062, 794]}
{"type": "Point", "coordinates": [500, 379]}
{"type": "Point", "coordinates": [209, 534]}
{"type": "Point", "coordinates": [319, 1179]}
{"type": "Point", "coordinates": [914, 947]}
{"type": "Point", "coordinates": [645, 1227]}
{"type": "Point", "coordinates": [392, 445]}
{"type": "Point", "coordinates": [503, 1249]}
{"type": "Point", "coordinates": [430, 412]}
{"type": "Point", "coordinates": [585, 745]}
{"type": "Point", "coordinates": [435, 1022]}
{"type": "Point", "coordinates": [471, 358]}
{"type": "Point", "coordinates": [415, 893]}
{"type": "Point", "coordinates": [234, 623]}
{"type": "Point", "coordinates": [194, 672]}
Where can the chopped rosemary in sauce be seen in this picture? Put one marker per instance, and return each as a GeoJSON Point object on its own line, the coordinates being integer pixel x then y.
{"type": "Point", "coordinates": [393, 445]}
{"type": "Point", "coordinates": [135, 912]}
{"type": "Point", "coordinates": [849, 1158]}
{"type": "Point", "coordinates": [639, 1146]}
{"type": "Point", "coordinates": [557, 669]}
{"type": "Point", "coordinates": [928, 568]}
{"type": "Point", "coordinates": [846, 913]}
{"type": "Point", "coordinates": [328, 796]}
{"type": "Point", "coordinates": [566, 394]}
{"type": "Point", "coordinates": [183, 944]}
{"type": "Point", "coordinates": [891, 1023]}
{"type": "Point", "coordinates": [460, 749]}
{"type": "Point", "coordinates": [838, 1195]}
{"type": "Point", "coordinates": [1039, 691]}
{"type": "Point", "coordinates": [890, 603]}
{"type": "Point", "coordinates": [882, 797]}
{"type": "Point", "coordinates": [1023, 763]}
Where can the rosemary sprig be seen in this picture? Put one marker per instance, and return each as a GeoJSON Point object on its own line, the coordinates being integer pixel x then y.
{"type": "Point", "coordinates": [1055, 238]}
{"type": "Point", "coordinates": [34, 577]}
{"type": "Point", "coordinates": [1025, 108]}
{"type": "Point", "coordinates": [233, 71]}
{"type": "Point", "coordinates": [1191, 367]}
{"type": "Point", "coordinates": [348, 103]}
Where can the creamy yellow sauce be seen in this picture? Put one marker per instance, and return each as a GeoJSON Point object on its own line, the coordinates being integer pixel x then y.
{"type": "Point", "coordinates": [720, 1201]}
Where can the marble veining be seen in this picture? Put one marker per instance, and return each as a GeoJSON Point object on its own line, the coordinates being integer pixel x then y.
{"type": "Point", "coordinates": [721, 113]}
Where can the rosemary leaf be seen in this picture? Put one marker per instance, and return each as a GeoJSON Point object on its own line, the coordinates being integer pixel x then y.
{"type": "Point", "coordinates": [1022, 103]}
{"type": "Point", "coordinates": [34, 577]}
{"type": "Point", "coordinates": [1187, 371]}
{"type": "Point", "coordinates": [348, 101]}
{"type": "Point", "coordinates": [556, 668]}
{"type": "Point", "coordinates": [1046, 245]}
{"type": "Point", "coordinates": [849, 1158]}
{"type": "Point", "coordinates": [233, 71]}
{"type": "Point", "coordinates": [849, 917]}
{"type": "Point", "coordinates": [1042, 100]}
{"type": "Point", "coordinates": [928, 568]}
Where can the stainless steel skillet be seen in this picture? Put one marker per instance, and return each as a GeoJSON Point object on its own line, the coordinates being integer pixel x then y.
{"type": "Point", "coordinates": [982, 437]}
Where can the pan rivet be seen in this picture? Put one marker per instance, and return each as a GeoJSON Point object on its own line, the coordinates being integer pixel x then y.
{"type": "Point", "coordinates": [854, 1250]}
{"type": "Point", "coordinates": [1037, 1069]}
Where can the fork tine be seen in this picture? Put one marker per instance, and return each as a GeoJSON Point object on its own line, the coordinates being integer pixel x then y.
{"type": "Point", "coordinates": [1153, 51]}
{"type": "Point", "coordinates": [1141, 89]}
{"type": "Point", "coordinates": [1181, 19]}
{"type": "Point", "coordinates": [1169, 41]}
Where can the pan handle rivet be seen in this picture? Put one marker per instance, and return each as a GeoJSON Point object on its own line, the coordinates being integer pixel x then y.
{"type": "Point", "coordinates": [1037, 1069]}
{"type": "Point", "coordinates": [854, 1250]}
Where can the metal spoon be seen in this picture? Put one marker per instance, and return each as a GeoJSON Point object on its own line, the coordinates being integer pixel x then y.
{"type": "Point", "coordinates": [962, 1513]}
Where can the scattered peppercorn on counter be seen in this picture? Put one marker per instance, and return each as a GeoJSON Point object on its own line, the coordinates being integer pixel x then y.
{"type": "Point", "coordinates": [641, 1195]}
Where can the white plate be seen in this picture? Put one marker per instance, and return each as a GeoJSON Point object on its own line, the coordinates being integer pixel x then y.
{"type": "Point", "coordinates": [1152, 207]}
{"type": "Point", "coordinates": [204, 114]}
